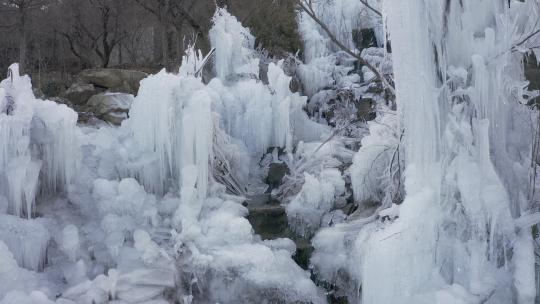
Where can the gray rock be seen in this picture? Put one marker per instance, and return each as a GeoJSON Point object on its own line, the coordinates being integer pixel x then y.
{"type": "Point", "coordinates": [115, 80]}
{"type": "Point", "coordinates": [80, 93]}
{"type": "Point", "coordinates": [111, 107]}
{"type": "Point", "coordinates": [115, 118]}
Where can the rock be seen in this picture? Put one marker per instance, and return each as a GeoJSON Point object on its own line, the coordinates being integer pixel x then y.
{"type": "Point", "coordinates": [80, 93]}
{"type": "Point", "coordinates": [115, 80]}
{"type": "Point", "coordinates": [115, 118]}
{"type": "Point", "coordinates": [232, 78]}
{"type": "Point", "coordinates": [110, 102]}
{"type": "Point", "coordinates": [111, 107]}
{"type": "Point", "coordinates": [276, 173]}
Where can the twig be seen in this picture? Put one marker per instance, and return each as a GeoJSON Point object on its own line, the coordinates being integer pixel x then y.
{"type": "Point", "coordinates": [308, 9]}
{"type": "Point", "coordinates": [525, 39]}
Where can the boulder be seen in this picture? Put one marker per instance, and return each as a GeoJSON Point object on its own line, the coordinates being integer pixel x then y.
{"type": "Point", "coordinates": [115, 118]}
{"type": "Point", "coordinates": [111, 107]}
{"type": "Point", "coordinates": [115, 80]}
{"type": "Point", "coordinates": [79, 93]}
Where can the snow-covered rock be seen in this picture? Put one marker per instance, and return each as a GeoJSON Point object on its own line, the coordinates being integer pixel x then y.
{"type": "Point", "coordinates": [111, 107]}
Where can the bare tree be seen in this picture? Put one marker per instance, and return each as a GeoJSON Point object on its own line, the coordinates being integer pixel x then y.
{"type": "Point", "coordinates": [171, 16]}
{"type": "Point", "coordinates": [19, 12]}
{"type": "Point", "coordinates": [95, 29]}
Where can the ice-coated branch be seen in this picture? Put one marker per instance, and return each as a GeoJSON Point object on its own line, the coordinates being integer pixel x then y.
{"type": "Point", "coordinates": [306, 6]}
{"type": "Point", "coordinates": [371, 8]}
{"type": "Point", "coordinates": [531, 35]}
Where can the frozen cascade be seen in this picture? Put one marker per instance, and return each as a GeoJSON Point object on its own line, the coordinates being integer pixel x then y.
{"type": "Point", "coordinates": [171, 118]}
{"type": "Point", "coordinates": [38, 144]}
{"type": "Point", "coordinates": [455, 225]}
{"type": "Point", "coordinates": [261, 115]}
{"type": "Point", "coordinates": [234, 46]}
{"type": "Point", "coordinates": [173, 112]}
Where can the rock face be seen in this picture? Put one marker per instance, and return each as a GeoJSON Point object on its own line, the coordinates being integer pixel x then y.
{"type": "Point", "coordinates": [90, 93]}
{"type": "Point", "coordinates": [115, 80]}
{"type": "Point", "coordinates": [111, 107]}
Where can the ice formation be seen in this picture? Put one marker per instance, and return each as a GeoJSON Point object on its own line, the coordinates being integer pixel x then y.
{"type": "Point", "coordinates": [175, 126]}
{"type": "Point", "coordinates": [448, 241]}
{"type": "Point", "coordinates": [323, 63]}
{"type": "Point", "coordinates": [70, 242]}
{"type": "Point", "coordinates": [451, 181]}
{"type": "Point", "coordinates": [27, 240]}
{"type": "Point", "coordinates": [234, 47]}
{"type": "Point", "coordinates": [155, 209]}
{"type": "Point", "coordinates": [38, 144]}
{"type": "Point", "coordinates": [261, 115]}
{"type": "Point", "coordinates": [371, 175]}
{"type": "Point", "coordinates": [317, 197]}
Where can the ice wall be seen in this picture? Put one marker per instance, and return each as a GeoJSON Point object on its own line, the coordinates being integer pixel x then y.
{"type": "Point", "coordinates": [38, 144]}
{"type": "Point", "coordinates": [454, 75]}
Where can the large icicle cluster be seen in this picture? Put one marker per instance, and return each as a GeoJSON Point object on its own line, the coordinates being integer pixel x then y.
{"type": "Point", "coordinates": [261, 115]}
{"type": "Point", "coordinates": [459, 84]}
{"type": "Point", "coordinates": [38, 146]}
{"type": "Point", "coordinates": [171, 118]}
{"type": "Point", "coordinates": [152, 223]}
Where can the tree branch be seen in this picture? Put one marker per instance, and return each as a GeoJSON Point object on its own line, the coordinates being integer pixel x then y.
{"type": "Point", "coordinates": [525, 39]}
{"type": "Point", "coordinates": [364, 2]}
{"type": "Point", "coordinates": [308, 9]}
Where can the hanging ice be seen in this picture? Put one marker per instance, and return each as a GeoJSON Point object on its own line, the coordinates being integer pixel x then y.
{"type": "Point", "coordinates": [234, 46]}
{"type": "Point", "coordinates": [455, 225]}
{"type": "Point", "coordinates": [261, 115]}
{"type": "Point", "coordinates": [38, 145]}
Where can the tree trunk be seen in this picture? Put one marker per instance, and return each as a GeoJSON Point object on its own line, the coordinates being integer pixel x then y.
{"type": "Point", "coordinates": [23, 47]}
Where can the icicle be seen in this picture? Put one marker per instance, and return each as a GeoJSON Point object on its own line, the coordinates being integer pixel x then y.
{"type": "Point", "coordinates": [38, 144]}
{"type": "Point", "coordinates": [234, 46]}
